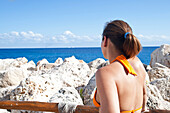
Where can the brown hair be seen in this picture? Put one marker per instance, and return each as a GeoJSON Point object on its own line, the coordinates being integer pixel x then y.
{"type": "Point", "coordinates": [115, 31]}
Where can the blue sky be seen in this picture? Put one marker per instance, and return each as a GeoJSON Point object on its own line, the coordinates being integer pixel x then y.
{"type": "Point", "coordinates": [79, 23]}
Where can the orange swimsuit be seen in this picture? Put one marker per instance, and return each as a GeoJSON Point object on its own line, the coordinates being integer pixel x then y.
{"type": "Point", "coordinates": [130, 70]}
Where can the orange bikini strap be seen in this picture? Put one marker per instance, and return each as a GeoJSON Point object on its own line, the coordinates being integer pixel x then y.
{"type": "Point", "coordinates": [131, 111]}
{"type": "Point", "coordinates": [94, 99]}
{"type": "Point", "coordinates": [125, 63]}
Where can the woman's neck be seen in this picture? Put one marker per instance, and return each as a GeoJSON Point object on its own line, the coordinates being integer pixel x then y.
{"type": "Point", "coordinates": [112, 51]}
{"type": "Point", "coordinates": [113, 54]}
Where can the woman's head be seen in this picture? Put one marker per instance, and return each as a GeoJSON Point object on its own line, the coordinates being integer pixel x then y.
{"type": "Point", "coordinates": [127, 44]}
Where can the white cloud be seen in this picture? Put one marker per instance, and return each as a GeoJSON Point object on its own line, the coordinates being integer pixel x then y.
{"type": "Point", "coordinates": [63, 38]}
{"type": "Point", "coordinates": [153, 39]}
{"type": "Point", "coordinates": [53, 37]}
{"type": "Point", "coordinates": [14, 33]}
{"type": "Point", "coordinates": [69, 33]}
{"type": "Point", "coordinates": [69, 37]}
{"type": "Point", "coordinates": [29, 36]}
{"type": "Point", "coordinates": [31, 39]}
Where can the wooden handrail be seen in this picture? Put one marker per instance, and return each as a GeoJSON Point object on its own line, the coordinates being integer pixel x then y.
{"type": "Point", "coordinates": [159, 111]}
{"type": "Point", "coordinates": [43, 106]}
{"type": "Point", "coordinates": [29, 105]}
{"type": "Point", "coordinates": [53, 107]}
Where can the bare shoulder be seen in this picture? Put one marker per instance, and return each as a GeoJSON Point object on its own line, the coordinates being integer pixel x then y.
{"type": "Point", "coordinates": [137, 61]}
{"type": "Point", "coordinates": [138, 66]}
{"type": "Point", "coordinates": [107, 89]}
{"type": "Point", "coordinates": [109, 71]}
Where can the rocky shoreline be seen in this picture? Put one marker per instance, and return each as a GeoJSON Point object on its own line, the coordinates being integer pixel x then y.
{"type": "Point", "coordinates": [72, 80]}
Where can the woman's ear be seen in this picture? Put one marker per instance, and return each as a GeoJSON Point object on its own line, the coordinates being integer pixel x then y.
{"type": "Point", "coordinates": [105, 41]}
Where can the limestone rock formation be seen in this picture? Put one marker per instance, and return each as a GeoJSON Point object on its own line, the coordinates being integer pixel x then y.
{"type": "Point", "coordinates": [30, 66]}
{"type": "Point", "coordinates": [96, 63]}
{"type": "Point", "coordinates": [35, 88]}
{"type": "Point", "coordinates": [159, 75]}
{"type": "Point", "coordinates": [161, 55]}
{"type": "Point", "coordinates": [158, 72]}
{"type": "Point", "coordinates": [67, 95]}
{"type": "Point", "coordinates": [88, 91]}
{"type": "Point", "coordinates": [19, 61]}
{"type": "Point", "coordinates": [163, 85]}
{"type": "Point", "coordinates": [59, 61]}
{"type": "Point", "coordinates": [4, 111]}
{"type": "Point", "coordinates": [73, 72]}
{"type": "Point", "coordinates": [6, 63]}
{"type": "Point", "coordinates": [5, 92]}
{"type": "Point", "coordinates": [12, 71]}
{"type": "Point", "coordinates": [41, 63]}
{"type": "Point", "coordinates": [155, 100]}
{"type": "Point", "coordinates": [12, 76]}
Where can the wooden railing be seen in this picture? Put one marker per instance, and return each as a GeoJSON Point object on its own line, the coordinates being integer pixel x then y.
{"type": "Point", "coordinates": [53, 107]}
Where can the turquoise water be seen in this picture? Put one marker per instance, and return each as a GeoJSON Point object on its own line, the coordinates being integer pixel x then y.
{"type": "Point", "coordinates": [51, 54]}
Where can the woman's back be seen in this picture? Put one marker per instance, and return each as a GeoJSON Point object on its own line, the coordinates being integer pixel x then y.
{"type": "Point", "coordinates": [130, 87]}
{"type": "Point", "coordinates": [120, 85]}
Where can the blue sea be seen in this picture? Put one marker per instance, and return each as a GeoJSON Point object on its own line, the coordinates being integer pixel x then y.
{"type": "Point", "coordinates": [87, 54]}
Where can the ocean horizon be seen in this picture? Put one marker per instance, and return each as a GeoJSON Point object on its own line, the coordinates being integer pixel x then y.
{"type": "Point", "coordinates": [86, 54]}
{"type": "Point", "coordinates": [65, 47]}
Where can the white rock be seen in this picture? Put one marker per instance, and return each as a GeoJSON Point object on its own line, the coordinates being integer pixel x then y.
{"type": "Point", "coordinates": [163, 84]}
{"type": "Point", "coordinates": [155, 100]}
{"type": "Point", "coordinates": [47, 66]}
{"type": "Point", "coordinates": [30, 66]}
{"type": "Point", "coordinates": [67, 95]}
{"type": "Point", "coordinates": [153, 90]}
{"type": "Point", "coordinates": [19, 61]}
{"type": "Point", "coordinates": [148, 67]}
{"type": "Point", "coordinates": [12, 76]}
{"type": "Point", "coordinates": [22, 60]}
{"type": "Point", "coordinates": [4, 111]}
{"type": "Point", "coordinates": [44, 64]}
{"type": "Point", "coordinates": [41, 63]}
{"type": "Point", "coordinates": [80, 89]}
{"type": "Point", "coordinates": [88, 91]}
{"type": "Point", "coordinates": [74, 73]}
{"type": "Point", "coordinates": [5, 92]}
{"type": "Point", "coordinates": [5, 63]}
{"type": "Point", "coordinates": [39, 86]}
{"type": "Point", "coordinates": [147, 80]}
{"type": "Point", "coordinates": [161, 55]}
{"type": "Point", "coordinates": [44, 87]}
{"type": "Point", "coordinates": [35, 88]}
{"type": "Point", "coordinates": [154, 103]}
{"type": "Point", "coordinates": [157, 72]}
{"type": "Point", "coordinates": [160, 65]}
{"type": "Point", "coordinates": [59, 61]}
{"type": "Point", "coordinates": [42, 84]}
{"type": "Point", "coordinates": [70, 59]}
{"type": "Point", "coordinates": [96, 63]}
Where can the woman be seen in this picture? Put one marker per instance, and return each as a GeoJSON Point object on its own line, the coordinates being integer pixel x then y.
{"type": "Point", "coordinates": [121, 84]}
